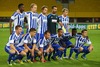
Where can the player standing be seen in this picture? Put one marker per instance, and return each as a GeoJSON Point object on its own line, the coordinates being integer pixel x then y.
{"type": "Point", "coordinates": [42, 22]}
{"type": "Point", "coordinates": [64, 19]}
{"type": "Point", "coordinates": [17, 18]}
{"type": "Point", "coordinates": [32, 17]}
{"type": "Point", "coordinates": [53, 20]}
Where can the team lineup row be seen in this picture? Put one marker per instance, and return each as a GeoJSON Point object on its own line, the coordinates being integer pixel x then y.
{"type": "Point", "coordinates": [50, 46]}
{"type": "Point", "coordinates": [41, 21]}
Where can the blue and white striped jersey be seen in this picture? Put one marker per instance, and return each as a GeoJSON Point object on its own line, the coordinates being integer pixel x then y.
{"type": "Point", "coordinates": [14, 39]}
{"type": "Point", "coordinates": [80, 41]}
{"type": "Point", "coordinates": [32, 19]}
{"type": "Point", "coordinates": [65, 21]}
{"type": "Point", "coordinates": [55, 39]}
{"type": "Point", "coordinates": [43, 42]}
{"type": "Point", "coordinates": [42, 23]}
{"type": "Point", "coordinates": [66, 36]}
{"type": "Point", "coordinates": [18, 19]}
{"type": "Point", "coordinates": [27, 39]}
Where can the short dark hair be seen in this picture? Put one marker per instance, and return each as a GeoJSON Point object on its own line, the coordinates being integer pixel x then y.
{"type": "Point", "coordinates": [74, 29]}
{"type": "Point", "coordinates": [59, 29]}
{"type": "Point", "coordinates": [32, 30]}
{"type": "Point", "coordinates": [19, 5]}
{"type": "Point", "coordinates": [43, 7]}
{"type": "Point", "coordinates": [17, 27]}
{"type": "Point", "coordinates": [53, 6]}
{"type": "Point", "coordinates": [46, 32]}
{"type": "Point", "coordinates": [83, 30]}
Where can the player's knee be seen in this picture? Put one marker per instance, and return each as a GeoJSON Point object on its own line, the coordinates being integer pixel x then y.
{"type": "Point", "coordinates": [51, 50]}
{"type": "Point", "coordinates": [26, 50]}
{"type": "Point", "coordinates": [12, 52]}
{"type": "Point", "coordinates": [39, 53]}
{"type": "Point", "coordinates": [90, 49]}
{"type": "Point", "coordinates": [23, 53]}
{"type": "Point", "coordinates": [80, 49]}
{"type": "Point", "coordinates": [61, 49]}
{"type": "Point", "coordinates": [41, 50]}
{"type": "Point", "coordinates": [47, 51]}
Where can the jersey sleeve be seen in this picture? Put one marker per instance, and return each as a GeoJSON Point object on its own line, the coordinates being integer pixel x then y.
{"type": "Point", "coordinates": [39, 24]}
{"type": "Point", "coordinates": [68, 21]}
{"type": "Point", "coordinates": [60, 19]}
{"type": "Point", "coordinates": [14, 16]}
{"type": "Point", "coordinates": [25, 39]}
{"type": "Point", "coordinates": [77, 36]}
{"type": "Point", "coordinates": [89, 42]}
{"type": "Point", "coordinates": [37, 17]}
{"type": "Point", "coordinates": [11, 39]}
{"type": "Point", "coordinates": [26, 14]}
{"type": "Point", "coordinates": [41, 43]}
{"type": "Point", "coordinates": [48, 17]}
{"type": "Point", "coordinates": [34, 41]}
{"type": "Point", "coordinates": [49, 42]}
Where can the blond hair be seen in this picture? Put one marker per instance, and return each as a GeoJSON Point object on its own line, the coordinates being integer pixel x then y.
{"type": "Point", "coordinates": [64, 9]}
{"type": "Point", "coordinates": [33, 4]}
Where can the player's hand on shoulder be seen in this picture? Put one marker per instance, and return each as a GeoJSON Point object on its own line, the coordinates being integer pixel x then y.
{"type": "Point", "coordinates": [18, 11]}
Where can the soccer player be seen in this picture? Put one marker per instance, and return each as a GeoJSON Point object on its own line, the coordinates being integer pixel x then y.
{"type": "Point", "coordinates": [11, 47]}
{"type": "Point", "coordinates": [32, 17]}
{"type": "Point", "coordinates": [45, 45]}
{"type": "Point", "coordinates": [55, 44]}
{"type": "Point", "coordinates": [53, 20]}
{"type": "Point", "coordinates": [42, 22]}
{"type": "Point", "coordinates": [29, 42]}
{"type": "Point", "coordinates": [65, 42]}
{"type": "Point", "coordinates": [17, 18]}
{"type": "Point", "coordinates": [75, 33]}
{"type": "Point", "coordinates": [64, 19]}
{"type": "Point", "coordinates": [80, 47]}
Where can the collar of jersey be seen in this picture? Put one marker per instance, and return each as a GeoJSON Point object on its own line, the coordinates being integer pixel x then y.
{"type": "Point", "coordinates": [30, 35]}
{"type": "Point", "coordinates": [64, 17]}
{"type": "Point", "coordinates": [17, 35]}
{"type": "Point", "coordinates": [32, 12]}
{"type": "Point", "coordinates": [58, 36]}
{"type": "Point", "coordinates": [43, 14]}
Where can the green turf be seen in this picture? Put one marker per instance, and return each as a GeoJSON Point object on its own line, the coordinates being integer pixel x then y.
{"type": "Point", "coordinates": [93, 57]}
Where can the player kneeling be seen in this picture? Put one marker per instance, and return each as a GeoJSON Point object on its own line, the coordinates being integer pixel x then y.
{"type": "Point", "coordinates": [65, 43]}
{"type": "Point", "coordinates": [12, 49]}
{"type": "Point", "coordinates": [29, 43]}
{"type": "Point", "coordinates": [80, 47]}
{"type": "Point", "coordinates": [45, 46]}
{"type": "Point", "coordinates": [58, 48]}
